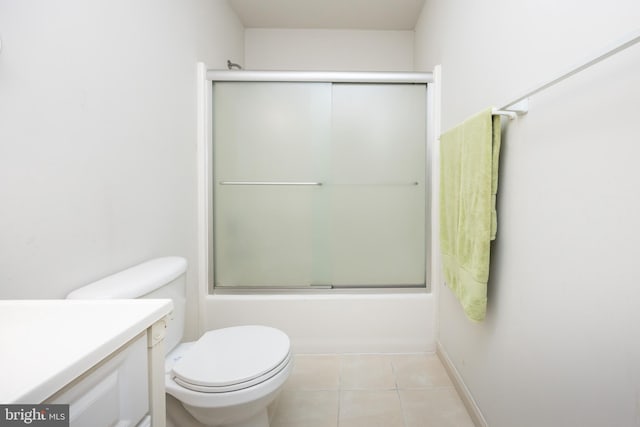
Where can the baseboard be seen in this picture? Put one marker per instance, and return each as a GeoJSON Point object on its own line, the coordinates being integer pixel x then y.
{"type": "Point", "coordinates": [461, 388]}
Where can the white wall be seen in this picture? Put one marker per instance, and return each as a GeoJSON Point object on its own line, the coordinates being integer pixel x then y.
{"type": "Point", "coordinates": [98, 135]}
{"type": "Point", "coordinates": [328, 50]}
{"type": "Point", "coordinates": [559, 346]}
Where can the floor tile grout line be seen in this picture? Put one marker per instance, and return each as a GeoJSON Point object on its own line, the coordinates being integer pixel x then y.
{"type": "Point", "coordinates": [394, 368]}
{"type": "Point", "coordinates": [402, 410]}
{"type": "Point", "coordinates": [339, 407]}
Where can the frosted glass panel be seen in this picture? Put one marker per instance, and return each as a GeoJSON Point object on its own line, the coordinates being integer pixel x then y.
{"type": "Point", "coordinates": [271, 131]}
{"type": "Point", "coordinates": [378, 176]}
{"type": "Point", "coordinates": [268, 133]}
{"type": "Point", "coordinates": [263, 236]}
{"type": "Point", "coordinates": [378, 236]}
{"type": "Point", "coordinates": [319, 184]}
{"type": "Point", "coordinates": [378, 133]}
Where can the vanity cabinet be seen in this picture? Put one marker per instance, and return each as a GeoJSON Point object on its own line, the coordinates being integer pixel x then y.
{"type": "Point", "coordinates": [105, 359]}
{"type": "Point", "coordinates": [114, 393]}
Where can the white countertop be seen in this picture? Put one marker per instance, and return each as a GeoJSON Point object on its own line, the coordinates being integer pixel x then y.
{"type": "Point", "coordinates": [45, 344]}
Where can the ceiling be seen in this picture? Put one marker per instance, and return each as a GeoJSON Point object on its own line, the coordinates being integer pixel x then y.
{"type": "Point", "coordinates": [329, 14]}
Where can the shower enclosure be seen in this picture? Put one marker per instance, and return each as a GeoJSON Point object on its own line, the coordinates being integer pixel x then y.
{"type": "Point", "coordinates": [319, 184]}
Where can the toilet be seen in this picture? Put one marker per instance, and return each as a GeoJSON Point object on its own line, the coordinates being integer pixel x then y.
{"type": "Point", "coordinates": [226, 378]}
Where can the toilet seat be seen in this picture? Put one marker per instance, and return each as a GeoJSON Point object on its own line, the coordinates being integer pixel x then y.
{"type": "Point", "coordinates": [231, 359]}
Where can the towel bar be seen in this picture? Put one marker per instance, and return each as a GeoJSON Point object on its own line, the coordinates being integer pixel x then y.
{"type": "Point", "coordinates": [267, 183]}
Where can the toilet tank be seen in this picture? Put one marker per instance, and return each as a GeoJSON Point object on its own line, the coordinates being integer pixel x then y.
{"type": "Point", "coordinates": [157, 278]}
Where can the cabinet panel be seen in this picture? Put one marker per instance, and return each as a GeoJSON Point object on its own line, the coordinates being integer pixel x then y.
{"type": "Point", "coordinates": [114, 393]}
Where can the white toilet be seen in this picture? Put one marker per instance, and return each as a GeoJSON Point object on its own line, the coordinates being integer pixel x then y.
{"type": "Point", "coordinates": [229, 376]}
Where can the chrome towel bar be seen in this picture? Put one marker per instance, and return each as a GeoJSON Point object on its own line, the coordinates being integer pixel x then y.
{"type": "Point", "coordinates": [267, 183]}
{"type": "Point", "coordinates": [413, 183]}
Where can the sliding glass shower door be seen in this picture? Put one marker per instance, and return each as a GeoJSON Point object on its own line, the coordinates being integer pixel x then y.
{"type": "Point", "coordinates": [319, 185]}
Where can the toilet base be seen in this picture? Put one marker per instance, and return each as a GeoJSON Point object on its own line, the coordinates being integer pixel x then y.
{"type": "Point", "coordinates": [261, 419]}
{"type": "Point", "coordinates": [232, 417]}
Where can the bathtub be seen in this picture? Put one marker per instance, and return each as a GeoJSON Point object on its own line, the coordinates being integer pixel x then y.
{"type": "Point", "coordinates": [400, 322]}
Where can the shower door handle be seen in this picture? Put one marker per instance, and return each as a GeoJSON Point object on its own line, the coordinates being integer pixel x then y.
{"type": "Point", "coordinates": [268, 183]}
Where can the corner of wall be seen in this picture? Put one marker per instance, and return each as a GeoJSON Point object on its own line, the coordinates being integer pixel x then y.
{"type": "Point", "coordinates": [467, 398]}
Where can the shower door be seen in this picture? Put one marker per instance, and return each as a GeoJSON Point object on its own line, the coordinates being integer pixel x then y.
{"type": "Point", "coordinates": [319, 185]}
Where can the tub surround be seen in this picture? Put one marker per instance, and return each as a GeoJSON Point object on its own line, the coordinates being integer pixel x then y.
{"type": "Point", "coordinates": [49, 343]}
{"type": "Point", "coordinates": [385, 322]}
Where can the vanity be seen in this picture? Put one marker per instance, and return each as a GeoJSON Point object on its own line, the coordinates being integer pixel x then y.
{"type": "Point", "coordinates": [104, 358]}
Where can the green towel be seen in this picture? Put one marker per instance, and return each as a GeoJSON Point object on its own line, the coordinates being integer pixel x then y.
{"type": "Point", "coordinates": [469, 155]}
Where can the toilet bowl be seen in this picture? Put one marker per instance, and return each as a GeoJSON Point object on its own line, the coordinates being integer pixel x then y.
{"type": "Point", "coordinates": [229, 376]}
{"type": "Point", "coordinates": [226, 378]}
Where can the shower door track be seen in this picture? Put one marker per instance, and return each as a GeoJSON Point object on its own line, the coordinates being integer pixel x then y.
{"type": "Point", "coordinates": [240, 290]}
{"type": "Point", "coordinates": [320, 76]}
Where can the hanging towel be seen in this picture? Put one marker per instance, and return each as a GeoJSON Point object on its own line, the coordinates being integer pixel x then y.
{"type": "Point", "coordinates": [469, 155]}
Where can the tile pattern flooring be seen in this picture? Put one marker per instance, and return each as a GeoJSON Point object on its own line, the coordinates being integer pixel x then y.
{"type": "Point", "coordinates": [407, 390]}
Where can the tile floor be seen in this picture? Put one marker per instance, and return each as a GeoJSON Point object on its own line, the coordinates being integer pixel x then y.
{"type": "Point", "coordinates": [408, 390]}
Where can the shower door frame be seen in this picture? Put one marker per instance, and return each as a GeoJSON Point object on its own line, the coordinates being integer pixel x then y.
{"type": "Point", "coordinates": [206, 79]}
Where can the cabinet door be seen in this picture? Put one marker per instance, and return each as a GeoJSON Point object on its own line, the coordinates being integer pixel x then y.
{"type": "Point", "coordinates": [115, 393]}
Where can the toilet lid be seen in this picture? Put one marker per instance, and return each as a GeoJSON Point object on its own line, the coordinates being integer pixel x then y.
{"type": "Point", "coordinates": [229, 358]}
